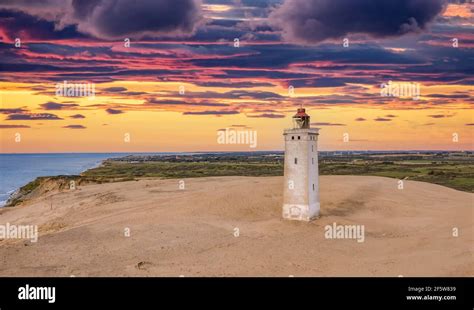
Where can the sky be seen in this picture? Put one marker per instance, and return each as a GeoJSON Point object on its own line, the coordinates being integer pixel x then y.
{"type": "Point", "coordinates": [169, 75]}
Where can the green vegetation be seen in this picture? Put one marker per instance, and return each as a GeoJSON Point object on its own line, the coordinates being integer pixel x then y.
{"type": "Point", "coordinates": [451, 169]}
{"type": "Point", "coordinates": [114, 169]}
{"type": "Point", "coordinates": [457, 175]}
{"type": "Point", "coordinates": [455, 170]}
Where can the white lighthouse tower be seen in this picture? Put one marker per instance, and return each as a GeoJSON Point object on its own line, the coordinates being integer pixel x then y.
{"type": "Point", "coordinates": [301, 188]}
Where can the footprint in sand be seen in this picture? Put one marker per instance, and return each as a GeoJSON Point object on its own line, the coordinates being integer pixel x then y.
{"type": "Point", "coordinates": [143, 265]}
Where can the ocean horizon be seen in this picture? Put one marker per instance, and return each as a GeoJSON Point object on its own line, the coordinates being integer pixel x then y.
{"type": "Point", "coordinates": [17, 169]}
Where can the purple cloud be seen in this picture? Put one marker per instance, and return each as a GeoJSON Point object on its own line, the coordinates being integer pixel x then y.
{"type": "Point", "coordinates": [439, 115]}
{"type": "Point", "coordinates": [114, 111]}
{"type": "Point", "coordinates": [217, 113]}
{"type": "Point", "coordinates": [75, 127]}
{"type": "Point", "coordinates": [327, 124]}
{"type": "Point", "coordinates": [115, 89]}
{"type": "Point", "coordinates": [77, 116]}
{"type": "Point", "coordinates": [312, 21]}
{"type": "Point", "coordinates": [13, 126]}
{"type": "Point", "coordinates": [381, 119]}
{"type": "Point", "coordinates": [58, 106]}
{"type": "Point", "coordinates": [33, 117]}
{"type": "Point", "coordinates": [13, 111]}
{"type": "Point", "coordinates": [116, 19]}
{"type": "Point", "coordinates": [267, 115]}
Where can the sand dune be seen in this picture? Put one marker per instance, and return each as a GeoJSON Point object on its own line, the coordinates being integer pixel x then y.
{"type": "Point", "coordinates": [192, 232]}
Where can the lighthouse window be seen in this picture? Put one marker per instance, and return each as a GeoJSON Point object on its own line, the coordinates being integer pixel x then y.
{"type": "Point", "coordinates": [312, 161]}
{"type": "Point", "coordinates": [299, 137]}
{"type": "Point", "coordinates": [292, 137]}
{"type": "Point", "coordinates": [313, 187]}
{"type": "Point", "coordinates": [312, 148]}
{"type": "Point", "coordinates": [296, 161]}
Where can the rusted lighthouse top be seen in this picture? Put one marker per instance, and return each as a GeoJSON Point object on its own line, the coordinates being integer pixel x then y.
{"type": "Point", "coordinates": [301, 112]}
{"type": "Point", "coordinates": [301, 119]}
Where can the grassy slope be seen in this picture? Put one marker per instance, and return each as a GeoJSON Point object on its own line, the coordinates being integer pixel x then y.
{"type": "Point", "coordinates": [457, 173]}
{"type": "Point", "coordinates": [451, 174]}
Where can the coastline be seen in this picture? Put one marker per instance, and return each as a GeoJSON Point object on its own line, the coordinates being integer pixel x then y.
{"type": "Point", "coordinates": [13, 193]}
{"type": "Point", "coordinates": [22, 193]}
{"type": "Point", "coordinates": [10, 191]}
{"type": "Point", "coordinates": [426, 166]}
{"type": "Point", "coordinates": [181, 212]}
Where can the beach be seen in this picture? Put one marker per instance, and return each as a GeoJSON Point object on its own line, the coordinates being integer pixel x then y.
{"type": "Point", "coordinates": [232, 226]}
{"type": "Point", "coordinates": [16, 170]}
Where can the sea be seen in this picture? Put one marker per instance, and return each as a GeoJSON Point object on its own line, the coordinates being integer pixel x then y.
{"type": "Point", "coordinates": [17, 170]}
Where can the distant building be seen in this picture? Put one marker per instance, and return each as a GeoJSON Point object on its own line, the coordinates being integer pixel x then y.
{"type": "Point", "coordinates": [301, 188]}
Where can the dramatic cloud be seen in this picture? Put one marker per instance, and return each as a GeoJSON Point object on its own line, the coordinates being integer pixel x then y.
{"type": "Point", "coordinates": [311, 21]}
{"type": "Point", "coordinates": [154, 101]}
{"type": "Point", "coordinates": [13, 111]}
{"type": "Point", "coordinates": [113, 111]}
{"type": "Point", "coordinates": [217, 113]}
{"type": "Point", "coordinates": [460, 96]}
{"type": "Point", "coordinates": [75, 127]}
{"type": "Point", "coordinates": [327, 124]}
{"type": "Point", "coordinates": [248, 79]}
{"type": "Point", "coordinates": [267, 115]}
{"type": "Point", "coordinates": [439, 115]}
{"type": "Point", "coordinates": [77, 116]}
{"type": "Point", "coordinates": [233, 84]}
{"type": "Point", "coordinates": [14, 23]}
{"type": "Point", "coordinates": [115, 89]}
{"type": "Point", "coordinates": [381, 119]}
{"type": "Point", "coordinates": [32, 117]}
{"type": "Point", "coordinates": [58, 106]}
{"type": "Point", "coordinates": [13, 126]}
{"type": "Point", "coordinates": [360, 119]}
{"type": "Point", "coordinates": [116, 19]}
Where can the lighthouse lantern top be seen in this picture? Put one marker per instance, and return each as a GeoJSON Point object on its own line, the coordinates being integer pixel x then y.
{"type": "Point", "coordinates": [301, 119]}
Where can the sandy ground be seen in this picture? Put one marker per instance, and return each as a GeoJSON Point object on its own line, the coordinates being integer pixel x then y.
{"type": "Point", "coordinates": [192, 232]}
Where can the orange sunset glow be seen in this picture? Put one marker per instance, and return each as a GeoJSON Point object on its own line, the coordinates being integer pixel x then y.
{"type": "Point", "coordinates": [172, 91]}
